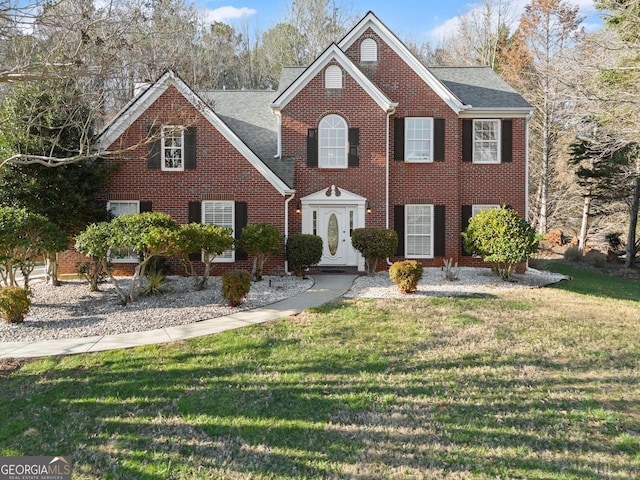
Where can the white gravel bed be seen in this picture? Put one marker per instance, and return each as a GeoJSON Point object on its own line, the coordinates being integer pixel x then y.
{"type": "Point", "coordinates": [471, 281]}
{"type": "Point", "coordinates": [72, 311]}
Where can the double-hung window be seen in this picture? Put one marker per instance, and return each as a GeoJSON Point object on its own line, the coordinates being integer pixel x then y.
{"type": "Point", "coordinates": [486, 141]}
{"type": "Point", "coordinates": [172, 148]}
{"type": "Point", "coordinates": [222, 214]}
{"type": "Point", "coordinates": [418, 231]}
{"type": "Point", "coordinates": [418, 139]}
{"type": "Point", "coordinates": [117, 208]}
{"type": "Point", "coordinates": [333, 142]}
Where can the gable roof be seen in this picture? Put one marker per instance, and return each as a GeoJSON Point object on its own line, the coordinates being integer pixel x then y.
{"type": "Point", "coordinates": [334, 53]}
{"type": "Point", "coordinates": [372, 22]}
{"type": "Point", "coordinates": [139, 104]}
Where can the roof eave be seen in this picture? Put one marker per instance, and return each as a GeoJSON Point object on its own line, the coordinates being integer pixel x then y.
{"type": "Point", "coordinates": [497, 112]}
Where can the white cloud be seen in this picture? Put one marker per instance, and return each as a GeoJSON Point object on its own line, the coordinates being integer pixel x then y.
{"type": "Point", "coordinates": [228, 13]}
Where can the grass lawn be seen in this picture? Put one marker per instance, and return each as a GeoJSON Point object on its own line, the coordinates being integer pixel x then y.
{"type": "Point", "coordinates": [535, 384]}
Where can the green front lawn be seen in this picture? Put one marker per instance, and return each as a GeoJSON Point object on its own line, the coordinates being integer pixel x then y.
{"type": "Point", "coordinates": [536, 384]}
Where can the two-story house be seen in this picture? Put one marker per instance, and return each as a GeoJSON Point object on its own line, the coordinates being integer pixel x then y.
{"type": "Point", "coordinates": [364, 136]}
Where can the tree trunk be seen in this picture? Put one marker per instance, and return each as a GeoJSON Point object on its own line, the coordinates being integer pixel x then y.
{"type": "Point", "coordinates": [584, 227]}
{"type": "Point", "coordinates": [51, 267]}
{"type": "Point", "coordinates": [633, 223]}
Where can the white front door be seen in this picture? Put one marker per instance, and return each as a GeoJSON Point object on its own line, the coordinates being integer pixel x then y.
{"type": "Point", "coordinates": [334, 230]}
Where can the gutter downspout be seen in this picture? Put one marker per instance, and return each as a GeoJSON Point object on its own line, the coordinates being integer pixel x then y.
{"type": "Point", "coordinates": [526, 172]}
{"type": "Point", "coordinates": [286, 229]}
{"type": "Point", "coordinates": [386, 222]}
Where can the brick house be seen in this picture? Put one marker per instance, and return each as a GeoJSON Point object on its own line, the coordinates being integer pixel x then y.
{"type": "Point", "coordinates": [364, 136]}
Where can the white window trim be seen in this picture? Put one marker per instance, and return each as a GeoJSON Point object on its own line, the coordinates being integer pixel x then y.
{"type": "Point", "coordinates": [345, 163]}
{"type": "Point", "coordinates": [369, 47]}
{"type": "Point", "coordinates": [220, 258]}
{"type": "Point", "coordinates": [498, 141]}
{"type": "Point", "coordinates": [333, 77]}
{"type": "Point", "coordinates": [406, 235]}
{"type": "Point", "coordinates": [406, 141]}
{"type": "Point", "coordinates": [131, 259]}
{"type": "Point", "coordinates": [477, 208]}
{"type": "Point", "coordinates": [163, 148]}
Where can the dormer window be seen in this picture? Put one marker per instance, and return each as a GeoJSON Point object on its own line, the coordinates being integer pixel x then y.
{"type": "Point", "coordinates": [368, 50]}
{"type": "Point", "coordinates": [333, 77]}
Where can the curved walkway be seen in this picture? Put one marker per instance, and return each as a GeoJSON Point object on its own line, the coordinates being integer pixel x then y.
{"type": "Point", "coordinates": [325, 289]}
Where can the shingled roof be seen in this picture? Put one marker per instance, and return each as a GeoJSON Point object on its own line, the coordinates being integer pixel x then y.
{"type": "Point", "coordinates": [479, 87]}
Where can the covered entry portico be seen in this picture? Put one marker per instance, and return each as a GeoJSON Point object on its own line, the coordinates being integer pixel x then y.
{"type": "Point", "coordinates": [333, 214]}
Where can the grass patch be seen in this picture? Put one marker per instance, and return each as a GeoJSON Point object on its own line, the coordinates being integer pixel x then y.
{"type": "Point", "coordinates": [536, 384]}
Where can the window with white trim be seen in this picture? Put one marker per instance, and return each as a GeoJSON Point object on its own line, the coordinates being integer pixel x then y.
{"type": "Point", "coordinates": [476, 209]}
{"type": "Point", "coordinates": [117, 208]}
{"type": "Point", "coordinates": [369, 50]}
{"type": "Point", "coordinates": [172, 148]}
{"type": "Point", "coordinates": [333, 142]}
{"type": "Point", "coordinates": [486, 141]}
{"type": "Point", "coordinates": [418, 139]}
{"type": "Point", "coordinates": [333, 77]}
{"type": "Point", "coordinates": [418, 221]}
{"type": "Point", "coordinates": [222, 214]}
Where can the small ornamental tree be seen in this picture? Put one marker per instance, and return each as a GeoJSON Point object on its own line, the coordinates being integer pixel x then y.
{"type": "Point", "coordinates": [374, 244]}
{"type": "Point", "coordinates": [147, 233]}
{"type": "Point", "coordinates": [260, 240]}
{"type": "Point", "coordinates": [303, 251]}
{"type": "Point", "coordinates": [208, 240]}
{"type": "Point", "coordinates": [502, 238]}
{"type": "Point", "coordinates": [93, 242]}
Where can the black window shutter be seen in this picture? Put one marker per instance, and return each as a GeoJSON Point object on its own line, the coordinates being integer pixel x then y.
{"type": "Point", "coordinates": [145, 207]}
{"type": "Point", "coordinates": [438, 140]}
{"type": "Point", "coordinates": [398, 226]}
{"type": "Point", "coordinates": [398, 139]}
{"type": "Point", "coordinates": [467, 140]}
{"type": "Point", "coordinates": [195, 216]}
{"type": "Point", "coordinates": [195, 212]}
{"type": "Point", "coordinates": [190, 148]}
{"type": "Point", "coordinates": [312, 147]}
{"type": "Point", "coordinates": [153, 154]}
{"type": "Point", "coordinates": [354, 142]}
{"type": "Point", "coordinates": [440, 231]}
{"type": "Point", "coordinates": [240, 222]}
{"type": "Point", "coordinates": [467, 213]}
{"type": "Point", "coordinates": [506, 149]}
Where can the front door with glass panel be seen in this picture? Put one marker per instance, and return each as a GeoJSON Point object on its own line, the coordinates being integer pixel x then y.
{"type": "Point", "coordinates": [334, 225]}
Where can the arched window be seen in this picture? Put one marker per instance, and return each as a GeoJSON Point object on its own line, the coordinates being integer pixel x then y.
{"type": "Point", "coordinates": [333, 77]}
{"type": "Point", "coordinates": [333, 142]}
{"type": "Point", "coordinates": [368, 50]}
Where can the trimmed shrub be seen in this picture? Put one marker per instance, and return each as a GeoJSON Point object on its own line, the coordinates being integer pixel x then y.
{"type": "Point", "coordinates": [573, 254]}
{"type": "Point", "coordinates": [303, 251]}
{"type": "Point", "coordinates": [14, 304]}
{"type": "Point", "coordinates": [595, 258]}
{"type": "Point", "coordinates": [235, 286]}
{"type": "Point", "coordinates": [406, 275]}
{"type": "Point", "coordinates": [502, 238]}
{"type": "Point", "coordinates": [261, 240]}
{"type": "Point", "coordinates": [374, 244]}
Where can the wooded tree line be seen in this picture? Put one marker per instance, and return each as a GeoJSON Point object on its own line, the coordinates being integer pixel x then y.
{"type": "Point", "coordinates": [84, 58]}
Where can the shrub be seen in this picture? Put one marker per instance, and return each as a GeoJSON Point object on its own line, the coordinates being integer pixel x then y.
{"type": "Point", "coordinates": [502, 238]}
{"type": "Point", "coordinates": [261, 240]}
{"type": "Point", "coordinates": [595, 258]}
{"type": "Point", "coordinates": [374, 244]}
{"type": "Point", "coordinates": [303, 251]}
{"type": "Point", "coordinates": [406, 275]}
{"type": "Point", "coordinates": [613, 239]}
{"type": "Point", "coordinates": [14, 304]}
{"type": "Point", "coordinates": [235, 286]}
{"type": "Point", "coordinates": [155, 283]}
{"type": "Point", "coordinates": [573, 254]}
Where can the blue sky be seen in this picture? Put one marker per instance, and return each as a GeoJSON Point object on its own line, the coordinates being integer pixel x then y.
{"type": "Point", "coordinates": [417, 19]}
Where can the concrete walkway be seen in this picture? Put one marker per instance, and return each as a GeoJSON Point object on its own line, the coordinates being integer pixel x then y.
{"type": "Point", "coordinates": [325, 289]}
